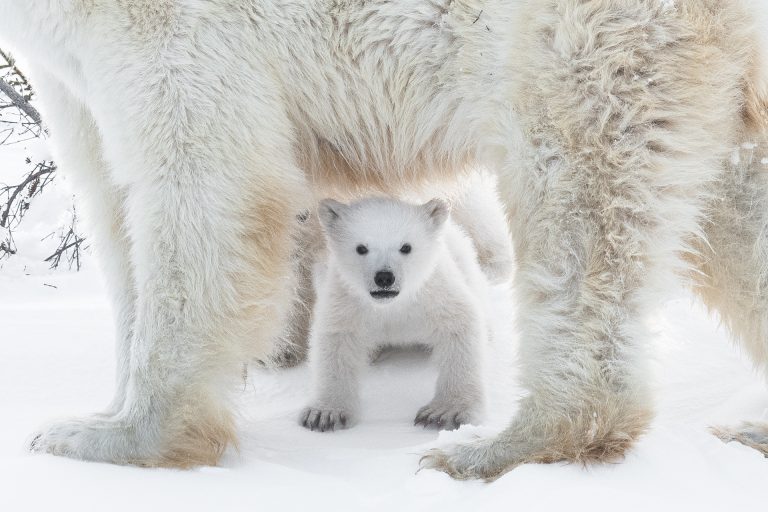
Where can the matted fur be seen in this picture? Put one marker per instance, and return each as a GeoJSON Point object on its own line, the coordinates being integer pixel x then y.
{"type": "Point", "coordinates": [199, 129]}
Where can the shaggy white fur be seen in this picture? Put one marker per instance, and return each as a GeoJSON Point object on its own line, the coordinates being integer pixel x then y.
{"type": "Point", "coordinates": [199, 128]}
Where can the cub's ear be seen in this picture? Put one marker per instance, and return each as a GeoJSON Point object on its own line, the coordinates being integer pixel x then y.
{"type": "Point", "coordinates": [437, 211]}
{"type": "Point", "coordinates": [329, 212]}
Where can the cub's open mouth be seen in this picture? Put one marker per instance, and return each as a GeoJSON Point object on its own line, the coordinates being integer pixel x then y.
{"type": "Point", "coordinates": [384, 294]}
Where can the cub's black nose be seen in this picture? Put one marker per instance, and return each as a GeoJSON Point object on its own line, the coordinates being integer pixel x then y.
{"type": "Point", "coordinates": [384, 278]}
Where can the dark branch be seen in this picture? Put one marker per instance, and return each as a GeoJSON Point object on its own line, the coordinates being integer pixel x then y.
{"type": "Point", "coordinates": [67, 247]}
{"type": "Point", "coordinates": [17, 189]}
{"type": "Point", "coordinates": [20, 101]}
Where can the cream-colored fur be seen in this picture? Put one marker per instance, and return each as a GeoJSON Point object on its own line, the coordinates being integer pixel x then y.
{"type": "Point", "coordinates": [206, 125]}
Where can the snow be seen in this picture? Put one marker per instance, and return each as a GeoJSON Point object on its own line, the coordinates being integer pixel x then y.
{"type": "Point", "coordinates": [56, 344]}
{"type": "Point", "coordinates": [48, 213]}
{"type": "Point", "coordinates": [56, 359]}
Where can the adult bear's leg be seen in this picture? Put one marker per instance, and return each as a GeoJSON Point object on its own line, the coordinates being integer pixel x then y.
{"type": "Point", "coordinates": [197, 136]}
{"type": "Point", "coordinates": [621, 137]}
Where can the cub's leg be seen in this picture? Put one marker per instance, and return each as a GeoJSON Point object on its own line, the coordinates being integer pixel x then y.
{"type": "Point", "coordinates": [732, 264]}
{"type": "Point", "coordinates": [457, 350]}
{"type": "Point", "coordinates": [337, 357]}
{"type": "Point", "coordinates": [78, 152]}
{"type": "Point", "coordinates": [620, 135]}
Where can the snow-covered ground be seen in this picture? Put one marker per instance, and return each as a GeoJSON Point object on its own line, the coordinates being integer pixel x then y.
{"type": "Point", "coordinates": [56, 343]}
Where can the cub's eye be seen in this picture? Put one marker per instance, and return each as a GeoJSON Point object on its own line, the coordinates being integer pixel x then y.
{"type": "Point", "coordinates": [361, 249]}
{"type": "Point", "coordinates": [405, 249]}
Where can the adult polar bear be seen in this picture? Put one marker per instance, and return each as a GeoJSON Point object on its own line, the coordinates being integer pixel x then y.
{"type": "Point", "coordinates": [198, 128]}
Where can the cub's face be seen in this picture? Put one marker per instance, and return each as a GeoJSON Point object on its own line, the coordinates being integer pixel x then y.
{"type": "Point", "coordinates": [385, 249]}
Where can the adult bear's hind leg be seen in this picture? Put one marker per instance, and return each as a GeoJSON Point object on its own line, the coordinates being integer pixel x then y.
{"type": "Point", "coordinates": [291, 345]}
{"type": "Point", "coordinates": [732, 264]}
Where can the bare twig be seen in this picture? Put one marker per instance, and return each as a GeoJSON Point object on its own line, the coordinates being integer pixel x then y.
{"type": "Point", "coordinates": [20, 102]}
{"type": "Point", "coordinates": [21, 121]}
{"type": "Point", "coordinates": [35, 187]}
{"type": "Point", "coordinates": [15, 201]}
{"type": "Point", "coordinates": [69, 246]}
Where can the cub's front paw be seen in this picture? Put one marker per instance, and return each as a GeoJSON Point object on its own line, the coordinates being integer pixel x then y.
{"type": "Point", "coordinates": [323, 420]}
{"type": "Point", "coordinates": [444, 416]}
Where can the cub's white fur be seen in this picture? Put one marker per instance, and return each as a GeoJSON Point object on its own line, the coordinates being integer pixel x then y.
{"type": "Point", "coordinates": [396, 273]}
{"type": "Point", "coordinates": [476, 208]}
{"type": "Point", "coordinates": [197, 129]}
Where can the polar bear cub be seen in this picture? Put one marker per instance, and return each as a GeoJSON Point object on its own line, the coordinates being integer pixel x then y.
{"type": "Point", "coordinates": [396, 273]}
